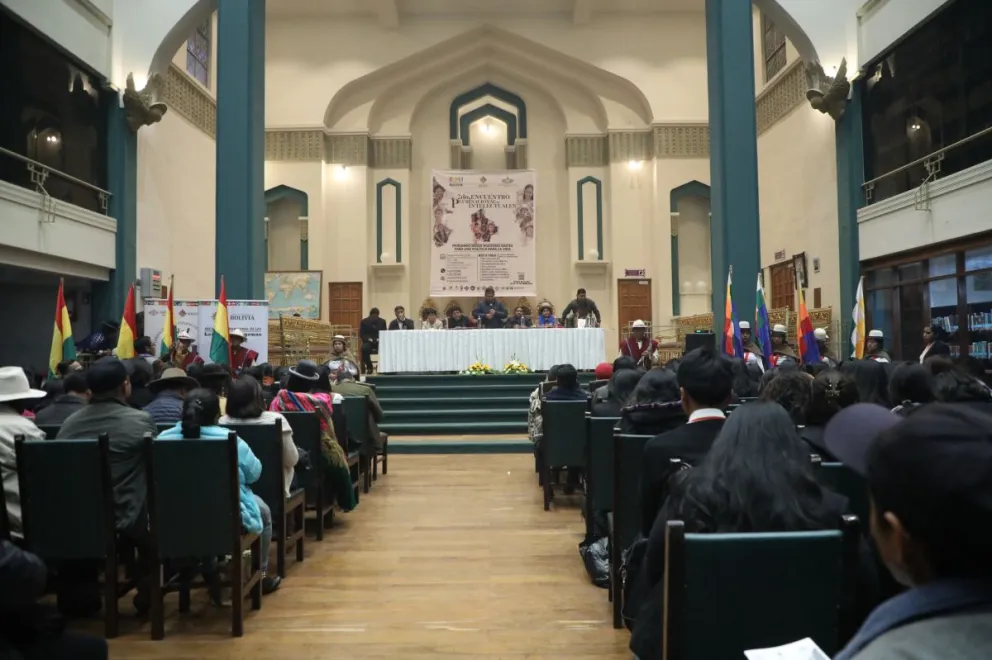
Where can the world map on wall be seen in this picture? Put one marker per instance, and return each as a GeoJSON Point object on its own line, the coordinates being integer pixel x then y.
{"type": "Point", "coordinates": [291, 293]}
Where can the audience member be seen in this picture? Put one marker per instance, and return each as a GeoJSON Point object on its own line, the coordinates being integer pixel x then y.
{"type": "Point", "coordinates": [832, 391]}
{"type": "Point", "coordinates": [368, 331]}
{"type": "Point", "coordinates": [930, 478]}
{"type": "Point", "coordinates": [217, 379]}
{"type": "Point", "coordinates": [534, 419]}
{"type": "Point", "coordinates": [144, 350]}
{"type": "Point", "coordinates": [705, 379]}
{"type": "Point", "coordinates": [346, 385]}
{"type": "Point", "coordinates": [66, 367]}
{"type": "Point", "coordinates": [619, 364]}
{"type": "Point", "coordinates": [952, 384]}
{"type": "Point", "coordinates": [910, 386]}
{"type": "Point", "coordinates": [29, 630]}
{"type": "Point", "coordinates": [169, 390]}
{"type": "Point", "coordinates": [603, 371]}
{"type": "Point", "coordinates": [871, 378]}
{"type": "Point", "coordinates": [792, 390]}
{"type": "Point", "coordinates": [75, 395]}
{"type": "Point", "coordinates": [618, 393]}
{"type": "Point", "coordinates": [200, 420]}
{"type": "Point", "coordinates": [15, 393]}
{"type": "Point", "coordinates": [747, 380]}
{"type": "Point", "coordinates": [567, 386]}
{"type": "Point", "coordinates": [757, 477]}
{"type": "Point", "coordinates": [655, 405]}
{"type": "Point", "coordinates": [140, 373]}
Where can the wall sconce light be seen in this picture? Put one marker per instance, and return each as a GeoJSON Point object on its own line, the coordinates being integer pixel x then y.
{"type": "Point", "coordinates": [635, 165]}
{"type": "Point", "coordinates": [487, 126]}
{"type": "Point", "coordinates": [340, 172]}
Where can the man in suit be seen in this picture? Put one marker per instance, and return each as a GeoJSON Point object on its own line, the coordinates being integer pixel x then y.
{"type": "Point", "coordinates": [401, 322]}
{"type": "Point", "coordinates": [368, 332]}
{"type": "Point", "coordinates": [346, 385]}
{"type": "Point", "coordinates": [706, 381]}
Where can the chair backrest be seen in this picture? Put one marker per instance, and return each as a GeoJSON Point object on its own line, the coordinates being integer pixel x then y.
{"type": "Point", "coordinates": [628, 451]}
{"type": "Point", "coordinates": [265, 441]}
{"type": "Point", "coordinates": [164, 427]}
{"type": "Point", "coordinates": [547, 386]}
{"type": "Point", "coordinates": [841, 479]}
{"type": "Point", "coordinates": [564, 429]}
{"type": "Point", "coordinates": [599, 465]}
{"type": "Point", "coordinates": [306, 435]}
{"type": "Point", "coordinates": [757, 590]}
{"type": "Point", "coordinates": [594, 385]}
{"type": "Point", "coordinates": [194, 500]}
{"type": "Point", "coordinates": [356, 411]}
{"type": "Point", "coordinates": [67, 497]}
{"type": "Point", "coordinates": [51, 430]}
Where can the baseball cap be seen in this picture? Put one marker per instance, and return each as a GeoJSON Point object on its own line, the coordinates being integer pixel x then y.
{"type": "Point", "coordinates": [849, 433]}
{"type": "Point", "coordinates": [106, 375]}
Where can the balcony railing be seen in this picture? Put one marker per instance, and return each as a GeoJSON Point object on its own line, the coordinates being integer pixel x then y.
{"type": "Point", "coordinates": [38, 176]}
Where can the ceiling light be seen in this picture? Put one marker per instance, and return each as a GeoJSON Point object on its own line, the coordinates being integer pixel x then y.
{"type": "Point", "coordinates": [635, 165]}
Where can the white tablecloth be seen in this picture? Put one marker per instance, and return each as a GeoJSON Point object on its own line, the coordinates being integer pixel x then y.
{"type": "Point", "coordinates": [454, 350]}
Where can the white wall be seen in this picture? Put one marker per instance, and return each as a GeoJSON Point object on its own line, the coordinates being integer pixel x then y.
{"type": "Point", "coordinates": [695, 274]}
{"type": "Point", "coordinates": [889, 21]}
{"type": "Point", "coordinates": [81, 29]}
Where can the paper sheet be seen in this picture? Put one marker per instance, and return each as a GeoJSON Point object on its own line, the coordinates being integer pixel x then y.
{"type": "Point", "coordinates": [804, 649]}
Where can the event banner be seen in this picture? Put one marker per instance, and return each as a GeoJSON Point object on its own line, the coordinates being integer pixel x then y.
{"type": "Point", "coordinates": [483, 232]}
{"type": "Point", "coordinates": [197, 317]}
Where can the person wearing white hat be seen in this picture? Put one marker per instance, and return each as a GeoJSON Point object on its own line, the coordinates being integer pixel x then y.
{"type": "Point", "coordinates": [820, 334]}
{"type": "Point", "coordinates": [242, 357]}
{"type": "Point", "coordinates": [184, 355]}
{"type": "Point", "coordinates": [15, 394]}
{"type": "Point", "coordinates": [873, 347]}
{"type": "Point", "coordinates": [340, 350]}
{"type": "Point", "coordinates": [782, 353]}
{"type": "Point", "coordinates": [752, 353]}
{"type": "Point", "coordinates": [639, 346]}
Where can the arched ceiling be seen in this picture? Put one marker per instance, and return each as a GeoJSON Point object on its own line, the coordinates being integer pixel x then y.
{"type": "Point", "coordinates": [614, 101]}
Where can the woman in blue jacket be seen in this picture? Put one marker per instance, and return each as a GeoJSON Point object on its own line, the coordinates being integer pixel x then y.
{"type": "Point", "coordinates": [201, 412]}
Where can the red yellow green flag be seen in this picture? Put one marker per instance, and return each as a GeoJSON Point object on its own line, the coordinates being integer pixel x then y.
{"type": "Point", "coordinates": [169, 329]}
{"type": "Point", "coordinates": [220, 343]}
{"type": "Point", "coordinates": [129, 329]}
{"type": "Point", "coordinates": [63, 346]}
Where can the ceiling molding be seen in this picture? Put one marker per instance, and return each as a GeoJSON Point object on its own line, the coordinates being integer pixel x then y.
{"type": "Point", "coordinates": [786, 92]}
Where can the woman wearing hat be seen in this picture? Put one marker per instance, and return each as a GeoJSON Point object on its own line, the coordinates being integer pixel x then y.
{"type": "Point", "coordinates": [545, 317]}
{"type": "Point", "coordinates": [183, 354]}
{"type": "Point", "coordinates": [782, 353]}
{"type": "Point", "coordinates": [340, 350]}
{"type": "Point", "coordinates": [15, 394]}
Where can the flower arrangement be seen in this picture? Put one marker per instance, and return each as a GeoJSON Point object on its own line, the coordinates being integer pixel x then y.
{"type": "Point", "coordinates": [515, 366]}
{"type": "Point", "coordinates": [478, 368]}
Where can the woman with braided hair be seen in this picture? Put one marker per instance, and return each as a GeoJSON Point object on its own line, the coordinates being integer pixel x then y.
{"type": "Point", "coordinates": [832, 392]}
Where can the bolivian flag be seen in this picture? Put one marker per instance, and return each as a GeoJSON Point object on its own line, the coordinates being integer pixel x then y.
{"type": "Point", "coordinates": [129, 329]}
{"type": "Point", "coordinates": [220, 343]}
{"type": "Point", "coordinates": [63, 347]}
{"type": "Point", "coordinates": [169, 329]}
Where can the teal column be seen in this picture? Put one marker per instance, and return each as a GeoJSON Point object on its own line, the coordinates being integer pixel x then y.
{"type": "Point", "coordinates": [122, 182]}
{"type": "Point", "coordinates": [240, 248]}
{"type": "Point", "coordinates": [850, 197]}
{"type": "Point", "coordinates": [734, 227]}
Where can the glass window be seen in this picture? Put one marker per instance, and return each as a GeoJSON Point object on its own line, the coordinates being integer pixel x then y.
{"type": "Point", "coordinates": [773, 47]}
{"type": "Point", "coordinates": [945, 264]}
{"type": "Point", "coordinates": [198, 53]}
{"type": "Point", "coordinates": [979, 301]}
{"type": "Point", "coordinates": [911, 272]}
{"type": "Point", "coordinates": [882, 277]}
{"type": "Point", "coordinates": [943, 294]}
{"type": "Point", "coordinates": [914, 313]}
{"type": "Point", "coordinates": [978, 258]}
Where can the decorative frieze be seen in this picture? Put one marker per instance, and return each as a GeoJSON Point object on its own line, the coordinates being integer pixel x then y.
{"type": "Point", "coordinates": [682, 141]}
{"type": "Point", "coordinates": [630, 145]}
{"type": "Point", "coordinates": [295, 146]}
{"type": "Point", "coordinates": [391, 153]}
{"type": "Point", "coordinates": [189, 99]}
{"type": "Point", "coordinates": [586, 151]}
{"type": "Point", "coordinates": [349, 149]}
{"type": "Point", "coordinates": [781, 97]}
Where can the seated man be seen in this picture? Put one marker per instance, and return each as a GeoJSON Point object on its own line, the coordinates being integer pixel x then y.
{"type": "Point", "coordinates": [368, 332]}
{"type": "Point", "coordinates": [74, 396]}
{"type": "Point", "coordinates": [401, 322]}
{"type": "Point", "coordinates": [346, 385]}
{"type": "Point", "coordinates": [567, 386]}
{"type": "Point", "coordinates": [432, 322]}
{"type": "Point", "coordinates": [519, 320]}
{"type": "Point", "coordinates": [170, 389]}
{"type": "Point", "coordinates": [15, 395]}
{"type": "Point", "coordinates": [457, 320]}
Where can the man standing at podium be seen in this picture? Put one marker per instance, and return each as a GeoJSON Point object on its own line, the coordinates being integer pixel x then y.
{"type": "Point", "coordinates": [490, 312]}
{"type": "Point", "coordinates": [582, 307]}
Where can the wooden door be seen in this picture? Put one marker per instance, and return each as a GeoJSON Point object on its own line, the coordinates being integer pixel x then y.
{"type": "Point", "coordinates": [783, 286]}
{"type": "Point", "coordinates": [634, 298]}
{"type": "Point", "coordinates": [344, 302]}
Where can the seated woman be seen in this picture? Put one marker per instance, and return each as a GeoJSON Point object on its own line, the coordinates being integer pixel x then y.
{"type": "Point", "coordinates": [340, 350]}
{"type": "Point", "coordinates": [545, 317]}
{"type": "Point", "coordinates": [757, 477]}
{"type": "Point", "coordinates": [432, 322]}
{"type": "Point", "coordinates": [298, 396]}
{"type": "Point", "coordinates": [911, 386]}
{"type": "Point", "coordinates": [201, 419]}
{"type": "Point", "coordinates": [655, 405]}
{"type": "Point", "coordinates": [534, 419]}
{"type": "Point", "coordinates": [832, 392]}
{"type": "Point", "coordinates": [246, 405]}
{"type": "Point", "coordinates": [621, 386]}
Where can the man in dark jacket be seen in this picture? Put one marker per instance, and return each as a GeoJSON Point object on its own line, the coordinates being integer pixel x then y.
{"type": "Point", "coordinates": [401, 322]}
{"type": "Point", "coordinates": [490, 313]}
{"type": "Point", "coordinates": [706, 379]}
{"type": "Point", "coordinates": [346, 385]}
{"type": "Point", "coordinates": [169, 389]}
{"type": "Point", "coordinates": [582, 307]}
{"type": "Point", "coordinates": [368, 332]}
{"type": "Point", "coordinates": [75, 396]}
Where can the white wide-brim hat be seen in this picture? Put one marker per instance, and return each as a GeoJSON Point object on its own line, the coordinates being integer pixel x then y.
{"type": "Point", "coordinates": [638, 324]}
{"type": "Point", "coordinates": [184, 336]}
{"type": "Point", "coordinates": [779, 328]}
{"type": "Point", "coordinates": [14, 385]}
{"type": "Point", "coordinates": [237, 333]}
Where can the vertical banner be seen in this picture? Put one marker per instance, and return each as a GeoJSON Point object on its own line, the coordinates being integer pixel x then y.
{"type": "Point", "coordinates": [187, 318]}
{"type": "Point", "coordinates": [483, 232]}
{"type": "Point", "coordinates": [249, 316]}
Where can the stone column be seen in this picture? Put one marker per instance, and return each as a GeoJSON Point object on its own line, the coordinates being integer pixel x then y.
{"type": "Point", "coordinates": [850, 197]}
{"type": "Point", "coordinates": [735, 228]}
{"type": "Point", "coordinates": [240, 248]}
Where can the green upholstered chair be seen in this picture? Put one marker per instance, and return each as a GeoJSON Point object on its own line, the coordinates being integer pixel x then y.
{"type": "Point", "coordinates": [265, 441]}
{"type": "Point", "coordinates": [51, 430]}
{"type": "Point", "coordinates": [164, 427]}
{"type": "Point", "coordinates": [306, 435]}
{"type": "Point", "coordinates": [599, 466]}
{"type": "Point", "coordinates": [727, 593]}
{"type": "Point", "coordinates": [628, 451]}
{"type": "Point", "coordinates": [67, 508]}
{"type": "Point", "coordinates": [563, 441]}
{"type": "Point", "coordinates": [841, 479]}
{"type": "Point", "coordinates": [356, 411]}
{"type": "Point", "coordinates": [594, 385]}
{"type": "Point", "coordinates": [194, 510]}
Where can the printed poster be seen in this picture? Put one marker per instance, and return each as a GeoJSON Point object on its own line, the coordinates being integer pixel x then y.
{"type": "Point", "coordinates": [483, 233]}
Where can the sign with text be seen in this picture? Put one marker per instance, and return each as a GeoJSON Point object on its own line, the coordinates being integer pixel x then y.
{"type": "Point", "coordinates": [197, 318]}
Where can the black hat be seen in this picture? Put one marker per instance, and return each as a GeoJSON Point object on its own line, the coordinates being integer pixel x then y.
{"type": "Point", "coordinates": [849, 433]}
{"type": "Point", "coordinates": [106, 375]}
{"type": "Point", "coordinates": [212, 371]}
{"type": "Point", "coordinates": [305, 369]}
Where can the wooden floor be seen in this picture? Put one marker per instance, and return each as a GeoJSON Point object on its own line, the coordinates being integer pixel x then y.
{"type": "Point", "coordinates": [448, 557]}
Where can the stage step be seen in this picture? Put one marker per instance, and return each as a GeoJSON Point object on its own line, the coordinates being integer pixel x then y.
{"type": "Point", "coordinates": [433, 380]}
{"type": "Point", "coordinates": [495, 446]}
{"type": "Point", "coordinates": [469, 389]}
{"type": "Point", "coordinates": [461, 416]}
{"type": "Point", "coordinates": [461, 403]}
{"type": "Point", "coordinates": [453, 428]}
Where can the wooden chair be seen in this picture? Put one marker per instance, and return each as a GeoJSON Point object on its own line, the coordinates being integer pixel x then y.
{"type": "Point", "coordinates": [67, 509]}
{"type": "Point", "coordinates": [625, 523]}
{"type": "Point", "coordinates": [599, 466]}
{"type": "Point", "coordinates": [563, 442]}
{"type": "Point", "coordinates": [726, 593]}
{"type": "Point", "coordinates": [306, 435]}
{"type": "Point", "coordinates": [194, 510]}
{"type": "Point", "coordinates": [265, 441]}
{"type": "Point", "coordinates": [357, 413]}
{"type": "Point", "coordinates": [841, 479]}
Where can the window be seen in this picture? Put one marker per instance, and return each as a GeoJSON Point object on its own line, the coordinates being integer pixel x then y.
{"type": "Point", "coordinates": [772, 47]}
{"type": "Point", "coordinates": [198, 53]}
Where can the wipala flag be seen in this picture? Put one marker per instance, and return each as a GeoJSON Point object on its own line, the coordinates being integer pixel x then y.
{"type": "Point", "coordinates": [220, 342]}
{"type": "Point", "coordinates": [732, 344]}
{"type": "Point", "coordinates": [63, 346]}
{"type": "Point", "coordinates": [763, 333]}
{"type": "Point", "coordinates": [809, 351]}
{"type": "Point", "coordinates": [169, 329]}
{"type": "Point", "coordinates": [129, 329]}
